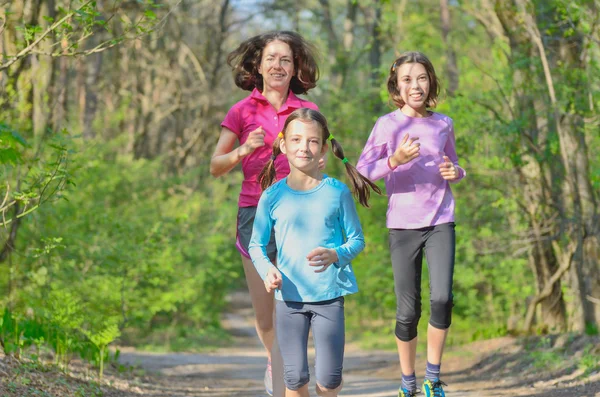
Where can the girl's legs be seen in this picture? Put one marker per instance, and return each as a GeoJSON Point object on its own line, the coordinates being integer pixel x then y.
{"type": "Point", "coordinates": [301, 392]}
{"type": "Point", "coordinates": [436, 339]}
{"type": "Point", "coordinates": [440, 253]}
{"type": "Point", "coordinates": [407, 256]}
{"type": "Point", "coordinates": [329, 334]}
{"type": "Point", "coordinates": [263, 304]}
{"type": "Point", "coordinates": [325, 392]}
{"type": "Point", "coordinates": [407, 351]}
{"type": "Point", "coordinates": [294, 320]}
{"type": "Point", "coordinates": [293, 324]}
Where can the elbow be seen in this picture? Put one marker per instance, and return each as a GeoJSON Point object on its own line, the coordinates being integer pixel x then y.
{"type": "Point", "coordinates": [214, 170]}
{"type": "Point", "coordinates": [362, 246]}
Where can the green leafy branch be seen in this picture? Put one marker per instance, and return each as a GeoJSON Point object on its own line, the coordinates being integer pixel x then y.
{"type": "Point", "coordinates": [47, 185]}
{"type": "Point", "coordinates": [27, 50]}
{"type": "Point", "coordinates": [87, 17]}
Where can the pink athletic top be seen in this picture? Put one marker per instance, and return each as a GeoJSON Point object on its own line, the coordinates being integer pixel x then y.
{"type": "Point", "coordinates": [246, 116]}
{"type": "Point", "coordinates": [417, 194]}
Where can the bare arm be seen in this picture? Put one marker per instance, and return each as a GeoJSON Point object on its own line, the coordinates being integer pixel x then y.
{"type": "Point", "coordinates": [225, 157]}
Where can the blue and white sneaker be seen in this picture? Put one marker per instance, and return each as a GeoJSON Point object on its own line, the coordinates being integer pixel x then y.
{"type": "Point", "coordinates": [434, 388]}
{"type": "Point", "coordinates": [406, 393]}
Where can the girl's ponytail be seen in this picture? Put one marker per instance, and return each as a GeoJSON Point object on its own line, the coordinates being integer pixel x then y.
{"type": "Point", "coordinates": [267, 175]}
{"type": "Point", "coordinates": [360, 183]}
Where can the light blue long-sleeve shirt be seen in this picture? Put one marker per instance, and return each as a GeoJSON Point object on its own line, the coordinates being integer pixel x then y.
{"type": "Point", "coordinates": [324, 216]}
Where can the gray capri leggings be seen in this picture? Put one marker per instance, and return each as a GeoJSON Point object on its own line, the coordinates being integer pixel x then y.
{"type": "Point", "coordinates": [293, 321]}
{"type": "Point", "coordinates": [407, 247]}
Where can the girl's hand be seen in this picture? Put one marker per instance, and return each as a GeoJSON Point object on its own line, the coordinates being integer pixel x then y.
{"type": "Point", "coordinates": [273, 280]}
{"type": "Point", "coordinates": [255, 140]}
{"type": "Point", "coordinates": [407, 151]}
{"type": "Point", "coordinates": [448, 170]}
{"type": "Point", "coordinates": [321, 258]}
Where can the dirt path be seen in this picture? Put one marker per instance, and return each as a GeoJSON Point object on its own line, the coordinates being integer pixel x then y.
{"type": "Point", "coordinates": [474, 371]}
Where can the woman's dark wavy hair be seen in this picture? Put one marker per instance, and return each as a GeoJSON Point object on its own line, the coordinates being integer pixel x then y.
{"type": "Point", "coordinates": [360, 184]}
{"type": "Point", "coordinates": [245, 61]}
{"type": "Point", "coordinates": [413, 57]}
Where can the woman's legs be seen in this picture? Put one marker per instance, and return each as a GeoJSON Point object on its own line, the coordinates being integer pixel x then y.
{"type": "Point", "coordinates": [263, 304]}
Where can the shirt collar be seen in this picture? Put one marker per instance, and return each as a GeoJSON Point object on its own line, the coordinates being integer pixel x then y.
{"type": "Point", "coordinates": [292, 100]}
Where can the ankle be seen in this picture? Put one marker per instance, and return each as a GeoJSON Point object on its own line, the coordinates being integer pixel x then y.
{"type": "Point", "coordinates": [409, 382]}
{"type": "Point", "coordinates": [432, 371]}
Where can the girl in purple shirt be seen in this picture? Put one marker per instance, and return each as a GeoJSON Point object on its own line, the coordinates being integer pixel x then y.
{"type": "Point", "coordinates": [413, 149]}
{"type": "Point", "coordinates": [275, 67]}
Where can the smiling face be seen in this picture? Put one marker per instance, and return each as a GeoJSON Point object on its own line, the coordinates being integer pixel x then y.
{"type": "Point", "coordinates": [277, 66]}
{"type": "Point", "coordinates": [303, 145]}
{"type": "Point", "coordinates": [413, 86]}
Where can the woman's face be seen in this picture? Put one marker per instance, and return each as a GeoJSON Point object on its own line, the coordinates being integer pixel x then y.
{"type": "Point", "coordinates": [277, 66]}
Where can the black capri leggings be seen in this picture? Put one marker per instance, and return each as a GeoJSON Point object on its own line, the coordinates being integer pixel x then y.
{"type": "Point", "coordinates": [406, 248]}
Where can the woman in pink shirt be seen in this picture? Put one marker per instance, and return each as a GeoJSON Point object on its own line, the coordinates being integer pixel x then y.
{"type": "Point", "coordinates": [413, 148]}
{"type": "Point", "coordinates": [274, 66]}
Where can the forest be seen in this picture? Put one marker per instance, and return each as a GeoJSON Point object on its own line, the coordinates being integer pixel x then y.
{"type": "Point", "coordinates": [114, 231]}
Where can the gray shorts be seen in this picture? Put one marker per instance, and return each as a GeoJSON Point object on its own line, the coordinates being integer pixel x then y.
{"type": "Point", "coordinates": [293, 321]}
{"type": "Point", "coordinates": [245, 222]}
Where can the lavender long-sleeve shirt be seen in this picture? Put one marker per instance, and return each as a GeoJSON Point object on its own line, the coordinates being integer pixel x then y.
{"type": "Point", "coordinates": [418, 196]}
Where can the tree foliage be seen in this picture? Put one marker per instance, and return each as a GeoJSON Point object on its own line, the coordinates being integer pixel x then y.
{"type": "Point", "coordinates": [113, 228]}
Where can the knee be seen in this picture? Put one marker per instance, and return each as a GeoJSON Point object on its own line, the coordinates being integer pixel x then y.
{"type": "Point", "coordinates": [441, 311]}
{"type": "Point", "coordinates": [406, 324]}
{"type": "Point", "coordinates": [295, 379]}
{"type": "Point", "coordinates": [331, 389]}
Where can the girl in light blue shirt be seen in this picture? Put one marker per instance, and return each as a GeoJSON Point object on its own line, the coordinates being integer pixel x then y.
{"type": "Point", "coordinates": [318, 234]}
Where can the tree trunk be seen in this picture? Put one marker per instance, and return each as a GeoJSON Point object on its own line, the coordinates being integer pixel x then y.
{"type": "Point", "coordinates": [94, 66]}
{"type": "Point", "coordinates": [572, 124]}
{"type": "Point", "coordinates": [337, 63]}
{"type": "Point", "coordinates": [451, 66]}
{"type": "Point", "coordinates": [577, 194]}
{"type": "Point", "coordinates": [345, 62]}
{"type": "Point", "coordinates": [537, 176]}
{"type": "Point", "coordinates": [375, 52]}
{"type": "Point", "coordinates": [218, 42]}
